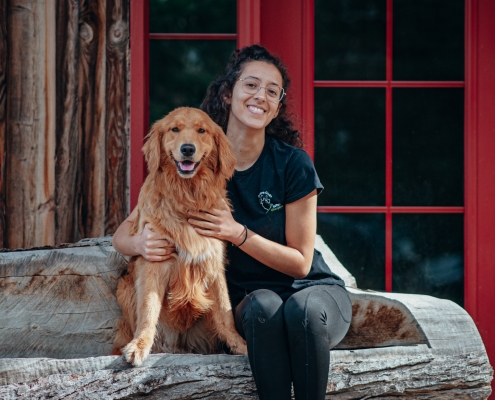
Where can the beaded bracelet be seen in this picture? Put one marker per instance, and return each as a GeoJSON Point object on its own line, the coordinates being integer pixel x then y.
{"type": "Point", "coordinates": [245, 237]}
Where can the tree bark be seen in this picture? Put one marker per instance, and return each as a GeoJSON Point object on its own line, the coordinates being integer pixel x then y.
{"type": "Point", "coordinates": [67, 121]}
{"type": "Point", "coordinates": [117, 140]}
{"type": "Point", "coordinates": [92, 109]}
{"type": "Point", "coordinates": [3, 113]}
{"type": "Point", "coordinates": [30, 141]}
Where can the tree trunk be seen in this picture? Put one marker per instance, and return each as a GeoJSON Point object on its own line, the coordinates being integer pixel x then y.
{"type": "Point", "coordinates": [30, 141]}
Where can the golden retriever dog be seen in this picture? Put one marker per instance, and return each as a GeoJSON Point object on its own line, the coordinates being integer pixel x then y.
{"type": "Point", "coordinates": [179, 305]}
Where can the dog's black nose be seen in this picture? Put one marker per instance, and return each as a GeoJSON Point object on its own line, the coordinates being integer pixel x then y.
{"type": "Point", "coordinates": [188, 149]}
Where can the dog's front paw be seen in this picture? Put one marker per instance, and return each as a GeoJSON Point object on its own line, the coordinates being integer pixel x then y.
{"type": "Point", "coordinates": [239, 348]}
{"type": "Point", "coordinates": [136, 352]}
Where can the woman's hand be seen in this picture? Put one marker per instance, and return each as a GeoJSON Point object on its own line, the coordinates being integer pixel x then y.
{"type": "Point", "coordinates": [217, 223]}
{"type": "Point", "coordinates": [147, 244]}
{"type": "Point", "coordinates": [153, 247]}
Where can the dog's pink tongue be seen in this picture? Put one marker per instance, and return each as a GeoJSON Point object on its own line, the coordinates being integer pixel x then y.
{"type": "Point", "coordinates": [186, 166]}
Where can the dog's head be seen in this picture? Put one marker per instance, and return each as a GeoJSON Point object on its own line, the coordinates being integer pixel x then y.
{"type": "Point", "coordinates": [188, 139]}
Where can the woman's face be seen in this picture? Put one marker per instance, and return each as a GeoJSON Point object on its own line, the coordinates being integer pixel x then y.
{"type": "Point", "coordinates": [254, 111]}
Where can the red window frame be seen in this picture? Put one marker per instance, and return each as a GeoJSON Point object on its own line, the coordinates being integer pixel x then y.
{"type": "Point", "coordinates": [389, 84]}
{"type": "Point", "coordinates": [293, 39]}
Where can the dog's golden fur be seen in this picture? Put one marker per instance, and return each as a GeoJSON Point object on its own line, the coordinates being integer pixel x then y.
{"type": "Point", "coordinates": [182, 304]}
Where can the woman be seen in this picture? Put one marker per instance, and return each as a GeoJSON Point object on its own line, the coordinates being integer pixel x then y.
{"type": "Point", "coordinates": [288, 305]}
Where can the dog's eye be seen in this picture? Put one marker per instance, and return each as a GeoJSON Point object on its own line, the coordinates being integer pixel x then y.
{"type": "Point", "coordinates": [201, 130]}
{"type": "Point", "coordinates": [175, 129]}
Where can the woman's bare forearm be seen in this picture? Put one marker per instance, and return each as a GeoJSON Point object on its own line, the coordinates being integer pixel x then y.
{"type": "Point", "coordinates": [285, 259]}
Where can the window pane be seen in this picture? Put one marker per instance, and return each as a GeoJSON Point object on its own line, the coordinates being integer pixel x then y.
{"type": "Point", "coordinates": [428, 130]}
{"type": "Point", "coordinates": [358, 241]}
{"type": "Point", "coordinates": [180, 72]}
{"type": "Point", "coordinates": [193, 16]}
{"type": "Point", "coordinates": [428, 40]}
{"type": "Point", "coordinates": [350, 39]}
{"type": "Point", "coordinates": [428, 256]}
{"type": "Point", "coordinates": [350, 145]}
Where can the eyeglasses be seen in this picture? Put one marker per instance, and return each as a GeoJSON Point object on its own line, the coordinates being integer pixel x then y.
{"type": "Point", "coordinates": [251, 85]}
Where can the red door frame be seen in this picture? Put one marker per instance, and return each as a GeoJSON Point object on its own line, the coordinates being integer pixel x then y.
{"type": "Point", "coordinates": [292, 37]}
{"type": "Point", "coordinates": [480, 169]}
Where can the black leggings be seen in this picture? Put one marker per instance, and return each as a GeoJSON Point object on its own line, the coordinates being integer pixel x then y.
{"type": "Point", "coordinates": [290, 341]}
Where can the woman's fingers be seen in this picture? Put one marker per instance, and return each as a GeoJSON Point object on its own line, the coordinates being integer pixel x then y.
{"type": "Point", "coordinates": [155, 247]}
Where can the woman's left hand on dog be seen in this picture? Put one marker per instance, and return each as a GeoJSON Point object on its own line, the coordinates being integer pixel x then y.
{"type": "Point", "coordinates": [217, 223]}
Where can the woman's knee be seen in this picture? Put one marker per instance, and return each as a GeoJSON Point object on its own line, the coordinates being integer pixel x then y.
{"type": "Point", "coordinates": [319, 310]}
{"type": "Point", "coordinates": [305, 311]}
{"type": "Point", "coordinates": [259, 307]}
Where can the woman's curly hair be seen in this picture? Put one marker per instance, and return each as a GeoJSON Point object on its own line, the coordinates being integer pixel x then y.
{"type": "Point", "coordinates": [214, 104]}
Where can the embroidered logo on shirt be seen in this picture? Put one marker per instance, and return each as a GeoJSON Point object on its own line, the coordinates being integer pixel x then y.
{"type": "Point", "coordinates": [266, 202]}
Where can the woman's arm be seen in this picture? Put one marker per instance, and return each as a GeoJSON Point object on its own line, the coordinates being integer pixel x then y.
{"type": "Point", "coordinates": [148, 243]}
{"type": "Point", "coordinates": [300, 229]}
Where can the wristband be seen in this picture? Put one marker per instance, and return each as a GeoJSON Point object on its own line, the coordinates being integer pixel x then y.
{"type": "Point", "coordinates": [245, 237]}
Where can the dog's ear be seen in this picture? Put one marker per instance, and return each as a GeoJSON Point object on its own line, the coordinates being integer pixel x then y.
{"type": "Point", "coordinates": [225, 157]}
{"type": "Point", "coordinates": [152, 147]}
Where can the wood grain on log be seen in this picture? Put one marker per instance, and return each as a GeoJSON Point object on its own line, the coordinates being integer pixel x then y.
{"type": "Point", "coordinates": [395, 372]}
{"type": "Point", "coordinates": [117, 141]}
{"type": "Point", "coordinates": [59, 303]}
{"type": "Point", "coordinates": [30, 143]}
{"type": "Point", "coordinates": [92, 109]}
{"type": "Point", "coordinates": [67, 122]}
{"type": "Point", "coordinates": [3, 113]}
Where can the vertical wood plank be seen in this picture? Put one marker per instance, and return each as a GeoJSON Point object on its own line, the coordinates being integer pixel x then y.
{"type": "Point", "coordinates": [30, 143]}
{"type": "Point", "coordinates": [117, 140]}
{"type": "Point", "coordinates": [92, 45]}
{"type": "Point", "coordinates": [67, 121]}
{"type": "Point", "coordinates": [3, 111]}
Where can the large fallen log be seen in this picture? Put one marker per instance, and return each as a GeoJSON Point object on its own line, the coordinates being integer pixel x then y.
{"type": "Point", "coordinates": [60, 304]}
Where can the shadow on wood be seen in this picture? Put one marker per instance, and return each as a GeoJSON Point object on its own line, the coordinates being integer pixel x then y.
{"type": "Point", "coordinates": [60, 303]}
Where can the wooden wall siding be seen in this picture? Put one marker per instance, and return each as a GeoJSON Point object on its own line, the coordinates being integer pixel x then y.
{"type": "Point", "coordinates": [66, 125]}
{"type": "Point", "coordinates": [66, 226]}
{"type": "Point", "coordinates": [30, 144]}
{"type": "Point", "coordinates": [117, 119]}
{"type": "Point", "coordinates": [92, 84]}
{"type": "Point", "coordinates": [3, 104]}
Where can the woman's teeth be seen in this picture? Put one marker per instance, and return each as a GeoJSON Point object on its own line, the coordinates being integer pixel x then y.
{"type": "Point", "coordinates": [256, 110]}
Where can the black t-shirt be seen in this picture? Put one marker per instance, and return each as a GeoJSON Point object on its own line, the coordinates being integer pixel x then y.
{"type": "Point", "coordinates": [282, 175]}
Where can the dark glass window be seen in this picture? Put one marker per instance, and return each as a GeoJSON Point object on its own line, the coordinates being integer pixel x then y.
{"type": "Point", "coordinates": [350, 39]}
{"type": "Point", "coordinates": [428, 40]}
{"type": "Point", "coordinates": [428, 131]}
{"type": "Point", "coordinates": [193, 16]}
{"type": "Point", "coordinates": [350, 145]}
{"type": "Point", "coordinates": [428, 256]}
{"type": "Point", "coordinates": [180, 72]}
{"type": "Point", "coordinates": [358, 241]}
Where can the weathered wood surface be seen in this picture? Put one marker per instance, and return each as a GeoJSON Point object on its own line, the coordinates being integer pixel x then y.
{"type": "Point", "coordinates": [92, 109]}
{"type": "Point", "coordinates": [60, 303]}
{"type": "Point", "coordinates": [3, 112]}
{"type": "Point", "coordinates": [30, 145]}
{"type": "Point", "coordinates": [117, 140]}
{"type": "Point", "coordinates": [64, 114]}
{"type": "Point", "coordinates": [68, 144]}
{"type": "Point", "coordinates": [393, 372]}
